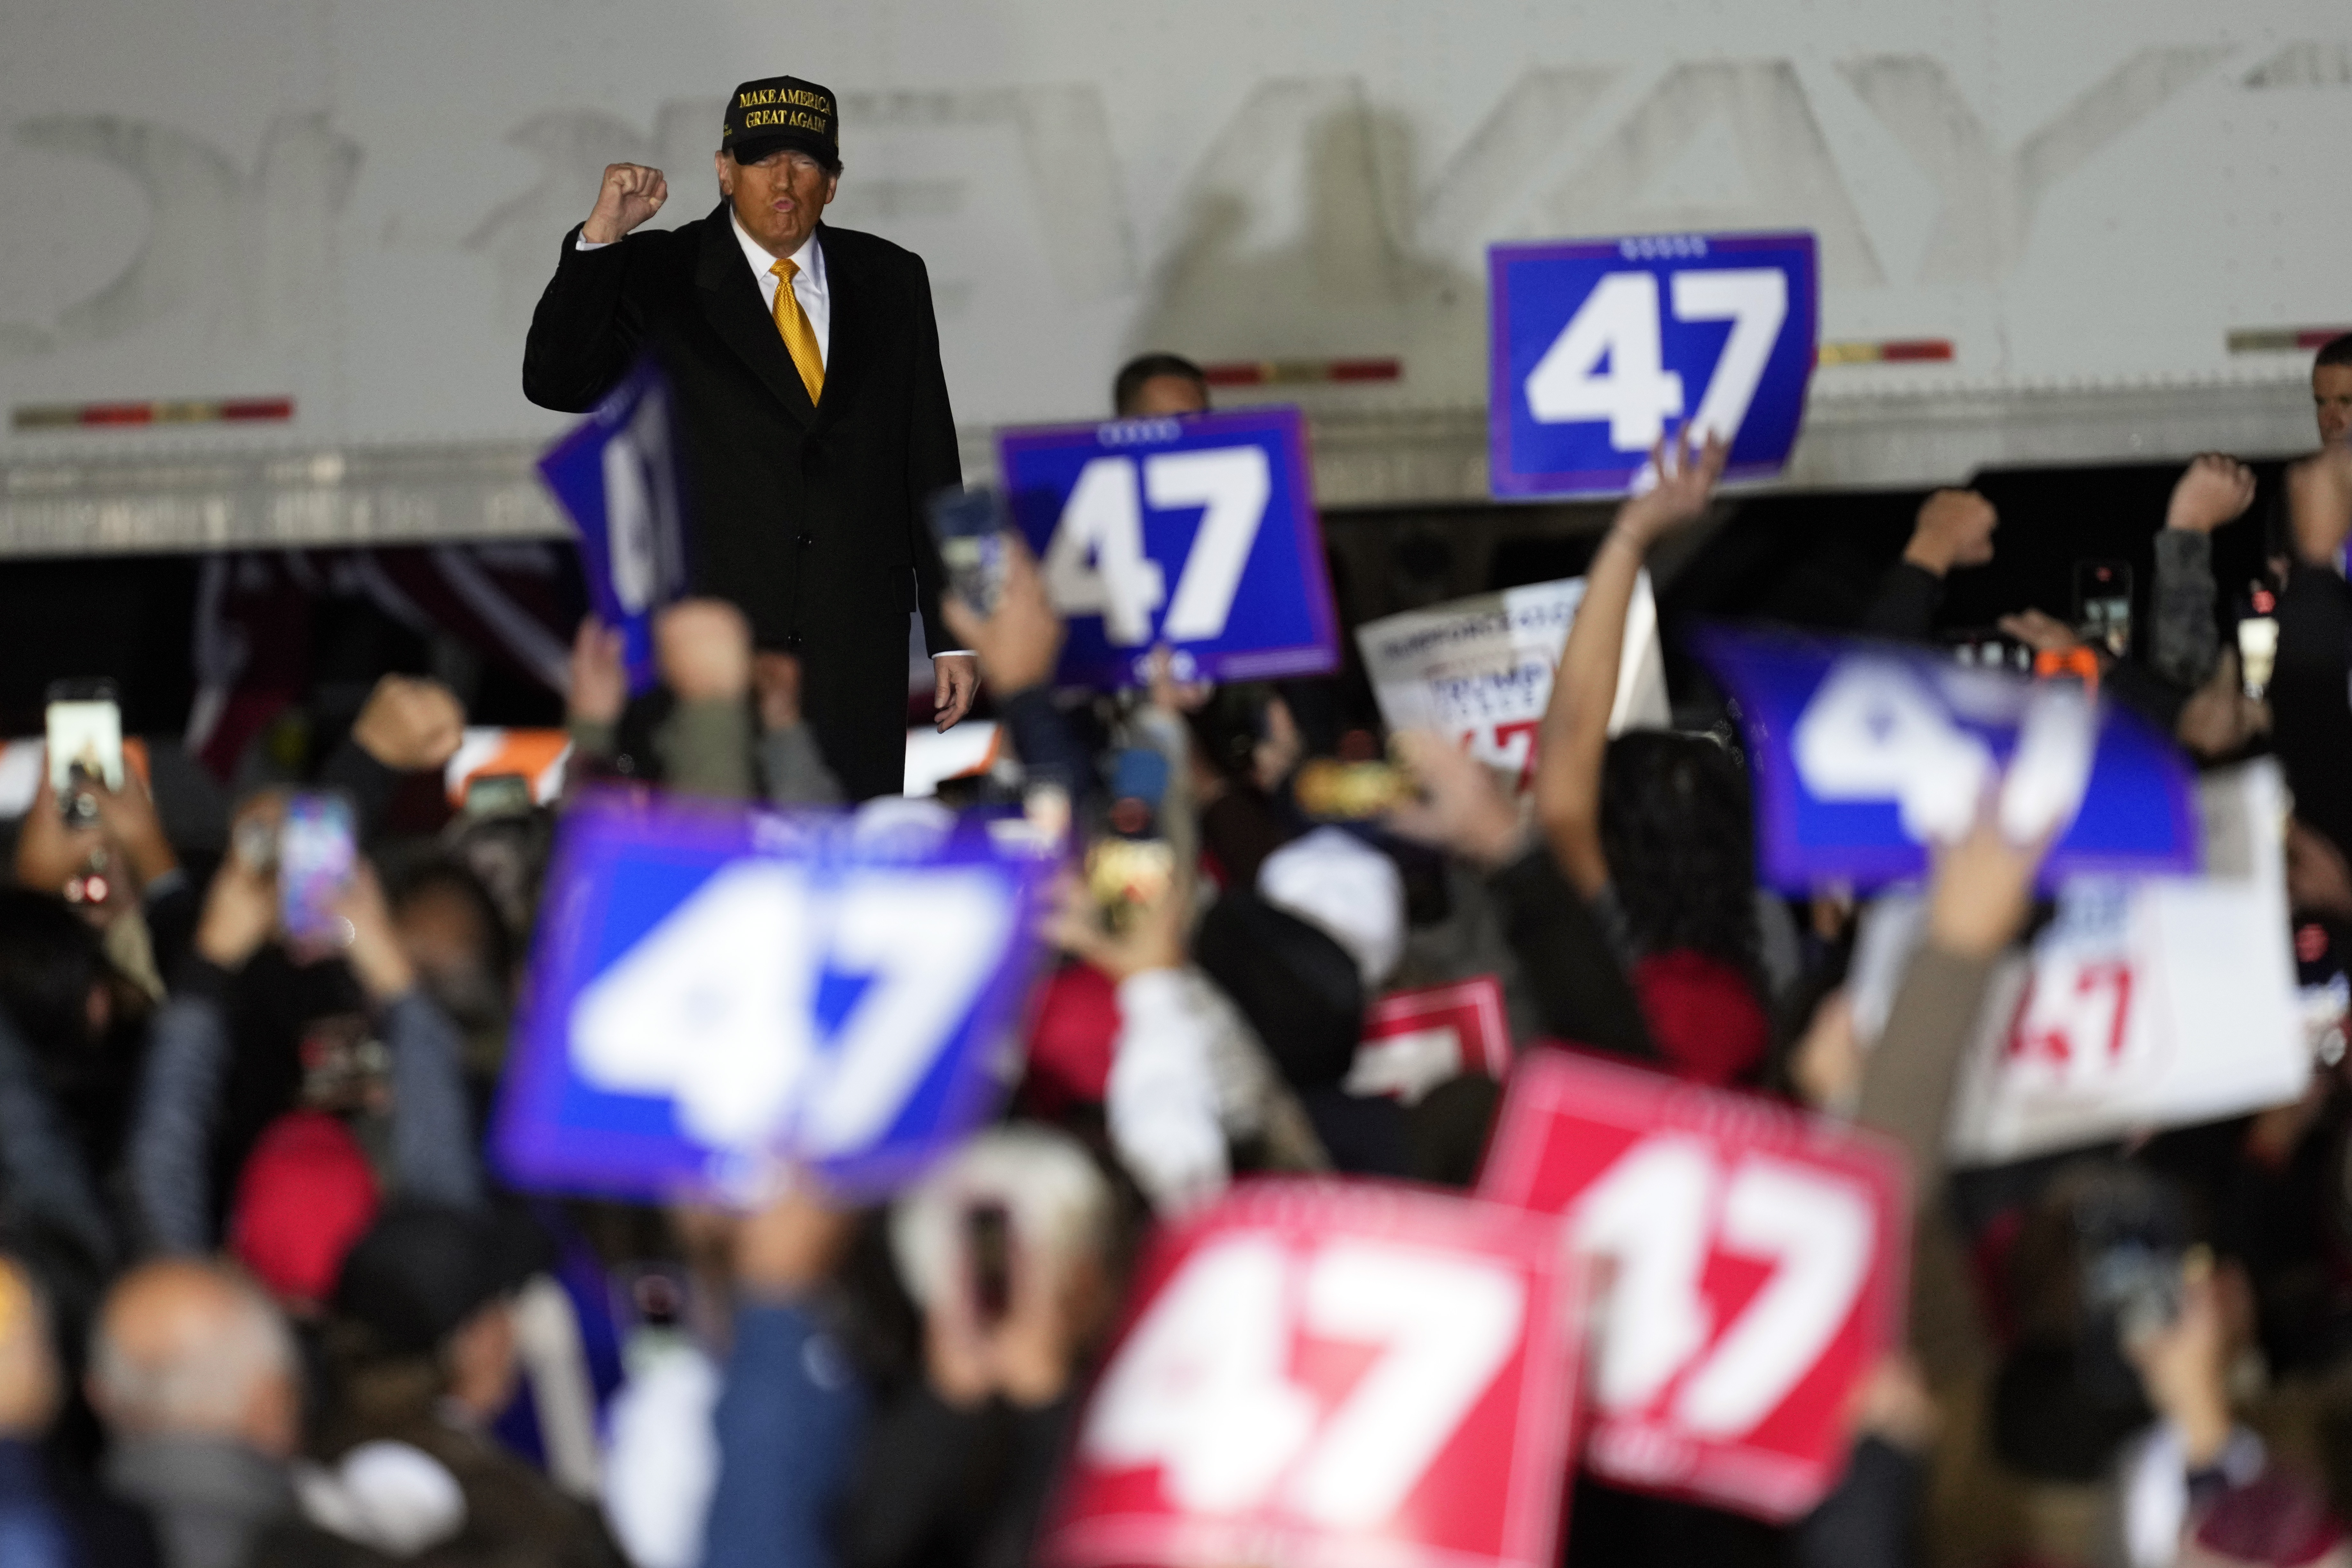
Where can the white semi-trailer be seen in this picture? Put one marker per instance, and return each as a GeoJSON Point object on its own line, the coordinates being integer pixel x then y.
{"type": "Point", "coordinates": [266, 264]}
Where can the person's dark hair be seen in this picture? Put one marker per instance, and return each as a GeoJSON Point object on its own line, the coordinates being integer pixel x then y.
{"type": "Point", "coordinates": [1127, 385]}
{"type": "Point", "coordinates": [444, 875]}
{"type": "Point", "coordinates": [1297, 986]}
{"type": "Point", "coordinates": [1675, 827]}
{"type": "Point", "coordinates": [2337, 350]}
{"type": "Point", "coordinates": [49, 960]}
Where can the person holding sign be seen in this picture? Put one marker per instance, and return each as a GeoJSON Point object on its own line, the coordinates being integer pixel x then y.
{"type": "Point", "coordinates": [1651, 828]}
{"type": "Point", "coordinates": [812, 409]}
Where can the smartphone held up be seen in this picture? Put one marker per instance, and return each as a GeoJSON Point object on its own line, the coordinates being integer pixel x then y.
{"type": "Point", "coordinates": [84, 724]}
{"type": "Point", "coordinates": [974, 528]}
{"type": "Point", "coordinates": [316, 852]}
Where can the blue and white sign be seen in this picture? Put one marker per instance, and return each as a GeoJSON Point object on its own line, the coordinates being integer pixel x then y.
{"type": "Point", "coordinates": [715, 990]}
{"type": "Point", "coordinates": [617, 474]}
{"type": "Point", "coordinates": [1199, 533]}
{"type": "Point", "coordinates": [1600, 347]}
{"type": "Point", "coordinates": [1863, 753]}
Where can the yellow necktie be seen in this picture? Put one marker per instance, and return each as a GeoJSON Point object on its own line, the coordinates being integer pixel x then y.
{"type": "Point", "coordinates": [800, 337]}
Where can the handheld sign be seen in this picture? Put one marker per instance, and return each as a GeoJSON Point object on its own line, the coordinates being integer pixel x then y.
{"type": "Point", "coordinates": [616, 474]}
{"type": "Point", "coordinates": [1415, 1040]}
{"type": "Point", "coordinates": [1320, 1373]}
{"type": "Point", "coordinates": [2148, 1003]}
{"type": "Point", "coordinates": [1598, 348]}
{"type": "Point", "coordinates": [1863, 753]}
{"type": "Point", "coordinates": [1197, 532]}
{"type": "Point", "coordinates": [1478, 671]}
{"type": "Point", "coordinates": [1759, 1260]}
{"type": "Point", "coordinates": [714, 989]}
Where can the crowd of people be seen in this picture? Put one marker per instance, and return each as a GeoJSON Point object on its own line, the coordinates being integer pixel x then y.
{"type": "Point", "coordinates": [262, 1302]}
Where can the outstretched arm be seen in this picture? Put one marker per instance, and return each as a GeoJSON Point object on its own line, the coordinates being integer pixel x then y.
{"type": "Point", "coordinates": [1575, 731]}
{"type": "Point", "coordinates": [585, 333]}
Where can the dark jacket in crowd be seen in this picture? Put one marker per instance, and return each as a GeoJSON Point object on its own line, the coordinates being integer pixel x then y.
{"type": "Point", "coordinates": [808, 516]}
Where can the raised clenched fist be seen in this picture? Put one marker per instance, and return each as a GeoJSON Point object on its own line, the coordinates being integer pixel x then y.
{"type": "Point", "coordinates": [1955, 528]}
{"type": "Point", "coordinates": [2210, 491]}
{"type": "Point", "coordinates": [630, 194]}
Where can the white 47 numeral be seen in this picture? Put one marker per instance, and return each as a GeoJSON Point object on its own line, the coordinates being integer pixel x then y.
{"type": "Point", "coordinates": [1201, 1387]}
{"type": "Point", "coordinates": [1096, 564]}
{"type": "Point", "coordinates": [1654, 1213]}
{"type": "Point", "coordinates": [1619, 323]}
{"type": "Point", "coordinates": [714, 1009]}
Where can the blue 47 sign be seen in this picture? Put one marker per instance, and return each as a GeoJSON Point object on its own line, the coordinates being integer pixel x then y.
{"type": "Point", "coordinates": [715, 990]}
{"type": "Point", "coordinates": [617, 474]}
{"type": "Point", "coordinates": [1863, 753]}
{"type": "Point", "coordinates": [1600, 347]}
{"type": "Point", "coordinates": [1199, 533]}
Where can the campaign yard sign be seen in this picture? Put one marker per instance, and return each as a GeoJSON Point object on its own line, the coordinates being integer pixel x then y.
{"type": "Point", "coordinates": [1598, 348]}
{"type": "Point", "coordinates": [1865, 753]}
{"type": "Point", "coordinates": [1758, 1257]}
{"type": "Point", "coordinates": [717, 990]}
{"type": "Point", "coordinates": [1198, 532]}
{"type": "Point", "coordinates": [2148, 1002]}
{"type": "Point", "coordinates": [1315, 1373]}
{"type": "Point", "coordinates": [616, 472]}
{"type": "Point", "coordinates": [1478, 671]}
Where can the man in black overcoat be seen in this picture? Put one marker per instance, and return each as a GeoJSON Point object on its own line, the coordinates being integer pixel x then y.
{"type": "Point", "coordinates": [811, 406]}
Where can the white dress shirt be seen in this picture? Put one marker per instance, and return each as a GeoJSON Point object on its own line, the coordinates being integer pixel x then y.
{"type": "Point", "coordinates": [808, 283]}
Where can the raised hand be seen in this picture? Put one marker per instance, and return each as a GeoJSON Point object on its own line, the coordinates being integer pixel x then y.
{"type": "Point", "coordinates": [630, 194]}
{"type": "Point", "coordinates": [1982, 889]}
{"type": "Point", "coordinates": [2042, 631]}
{"type": "Point", "coordinates": [703, 647]}
{"type": "Point", "coordinates": [1462, 808]}
{"type": "Point", "coordinates": [2319, 504]}
{"type": "Point", "coordinates": [599, 687]}
{"type": "Point", "coordinates": [241, 906]}
{"type": "Point", "coordinates": [1955, 527]}
{"type": "Point", "coordinates": [1019, 645]}
{"type": "Point", "coordinates": [2214, 489]}
{"type": "Point", "coordinates": [1687, 476]}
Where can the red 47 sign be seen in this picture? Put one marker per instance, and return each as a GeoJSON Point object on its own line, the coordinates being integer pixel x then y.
{"type": "Point", "coordinates": [1330, 1373]}
{"type": "Point", "coordinates": [1756, 1257]}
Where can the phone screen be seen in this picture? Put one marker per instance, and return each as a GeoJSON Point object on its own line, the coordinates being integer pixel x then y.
{"type": "Point", "coordinates": [1128, 875]}
{"type": "Point", "coordinates": [498, 795]}
{"type": "Point", "coordinates": [316, 852]}
{"type": "Point", "coordinates": [85, 736]}
{"type": "Point", "coordinates": [2103, 609]}
{"type": "Point", "coordinates": [971, 528]}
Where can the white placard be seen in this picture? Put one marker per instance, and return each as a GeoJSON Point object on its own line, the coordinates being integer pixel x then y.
{"type": "Point", "coordinates": [2146, 1003]}
{"type": "Point", "coordinates": [1479, 670]}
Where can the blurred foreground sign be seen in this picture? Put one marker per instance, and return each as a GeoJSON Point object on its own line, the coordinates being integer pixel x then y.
{"type": "Point", "coordinates": [1864, 753]}
{"type": "Point", "coordinates": [616, 474]}
{"type": "Point", "coordinates": [2161, 1001]}
{"type": "Point", "coordinates": [1759, 1258]}
{"type": "Point", "coordinates": [1478, 671]}
{"type": "Point", "coordinates": [1199, 532]}
{"type": "Point", "coordinates": [1323, 1372]}
{"type": "Point", "coordinates": [1600, 347]}
{"type": "Point", "coordinates": [713, 990]}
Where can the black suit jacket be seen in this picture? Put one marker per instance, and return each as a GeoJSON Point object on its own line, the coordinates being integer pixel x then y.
{"type": "Point", "coordinates": [809, 516]}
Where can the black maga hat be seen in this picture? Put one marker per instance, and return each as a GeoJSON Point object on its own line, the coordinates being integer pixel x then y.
{"type": "Point", "coordinates": [776, 113]}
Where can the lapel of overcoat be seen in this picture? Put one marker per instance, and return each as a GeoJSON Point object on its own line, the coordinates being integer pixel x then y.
{"type": "Point", "coordinates": [849, 349]}
{"type": "Point", "coordinates": [730, 303]}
